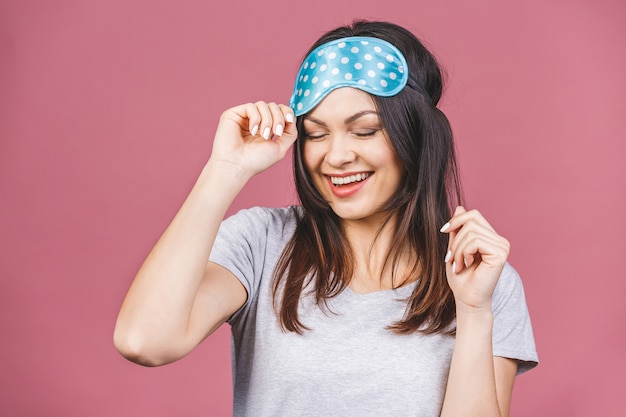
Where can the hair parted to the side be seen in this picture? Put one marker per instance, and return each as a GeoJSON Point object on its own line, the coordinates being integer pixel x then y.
{"type": "Point", "coordinates": [319, 255]}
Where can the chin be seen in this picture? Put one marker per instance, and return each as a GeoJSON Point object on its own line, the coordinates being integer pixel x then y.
{"type": "Point", "coordinates": [354, 213]}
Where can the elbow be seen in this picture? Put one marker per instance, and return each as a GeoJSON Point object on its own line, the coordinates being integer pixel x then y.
{"type": "Point", "coordinates": [138, 350]}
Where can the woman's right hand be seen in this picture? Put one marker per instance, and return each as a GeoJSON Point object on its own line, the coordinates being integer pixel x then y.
{"type": "Point", "coordinates": [252, 137]}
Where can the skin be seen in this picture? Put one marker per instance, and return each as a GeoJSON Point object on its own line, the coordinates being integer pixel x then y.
{"type": "Point", "coordinates": [479, 384]}
{"type": "Point", "coordinates": [341, 141]}
{"type": "Point", "coordinates": [177, 299]}
{"type": "Point", "coordinates": [344, 137]}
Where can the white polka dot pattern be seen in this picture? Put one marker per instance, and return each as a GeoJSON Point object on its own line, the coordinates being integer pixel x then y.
{"type": "Point", "coordinates": [369, 64]}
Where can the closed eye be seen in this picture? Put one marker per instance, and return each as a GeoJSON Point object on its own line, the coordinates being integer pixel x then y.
{"type": "Point", "coordinates": [365, 133]}
{"type": "Point", "coordinates": [315, 136]}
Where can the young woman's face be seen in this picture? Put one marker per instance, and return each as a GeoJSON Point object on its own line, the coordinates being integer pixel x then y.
{"type": "Point", "coordinates": [348, 155]}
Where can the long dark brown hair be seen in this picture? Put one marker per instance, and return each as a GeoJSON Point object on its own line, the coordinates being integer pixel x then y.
{"type": "Point", "coordinates": [319, 255]}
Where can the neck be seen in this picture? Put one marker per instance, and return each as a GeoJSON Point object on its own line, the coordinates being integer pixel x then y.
{"type": "Point", "coordinates": [372, 244]}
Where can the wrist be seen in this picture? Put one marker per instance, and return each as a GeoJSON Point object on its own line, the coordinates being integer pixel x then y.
{"type": "Point", "coordinates": [474, 327]}
{"type": "Point", "coordinates": [218, 185]}
{"type": "Point", "coordinates": [227, 173]}
{"type": "Point", "coordinates": [473, 313]}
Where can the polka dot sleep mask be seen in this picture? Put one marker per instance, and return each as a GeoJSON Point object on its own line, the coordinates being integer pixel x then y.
{"type": "Point", "coordinates": [369, 64]}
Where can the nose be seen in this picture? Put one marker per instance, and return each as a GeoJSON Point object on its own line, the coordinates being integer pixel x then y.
{"type": "Point", "coordinates": [339, 152]}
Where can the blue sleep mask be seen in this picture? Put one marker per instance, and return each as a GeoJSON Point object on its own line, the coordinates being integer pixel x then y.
{"type": "Point", "coordinates": [369, 64]}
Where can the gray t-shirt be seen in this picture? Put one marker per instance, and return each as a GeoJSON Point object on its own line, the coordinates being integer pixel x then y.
{"type": "Point", "coordinates": [349, 363]}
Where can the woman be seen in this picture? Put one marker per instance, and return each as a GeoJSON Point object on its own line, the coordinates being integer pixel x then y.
{"type": "Point", "coordinates": [374, 297]}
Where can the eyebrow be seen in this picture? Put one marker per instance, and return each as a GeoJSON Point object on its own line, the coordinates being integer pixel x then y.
{"type": "Point", "coordinates": [348, 120]}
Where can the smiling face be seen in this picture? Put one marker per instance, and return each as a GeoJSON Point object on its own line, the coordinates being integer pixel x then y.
{"type": "Point", "coordinates": [348, 155]}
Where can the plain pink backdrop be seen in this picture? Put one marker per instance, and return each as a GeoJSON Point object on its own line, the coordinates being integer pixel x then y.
{"type": "Point", "coordinates": [107, 110]}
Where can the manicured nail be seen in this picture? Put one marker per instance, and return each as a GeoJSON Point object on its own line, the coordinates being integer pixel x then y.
{"type": "Point", "coordinates": [448, 255]}
{"type": "Point", "coordinates": [445, 227]}
{"type": "Point", "coordinates": [255, 129]}
{"type": "Point", "coordinates": [279, 130]}
{"type": "Point", "coordinates": [454, 267]}
{"type": "Point", "coordinates": [266, 133]}
{"type": "Point", "coordinates": [289, 117]}
{"type": "Point", "coordinates": [465, 263]}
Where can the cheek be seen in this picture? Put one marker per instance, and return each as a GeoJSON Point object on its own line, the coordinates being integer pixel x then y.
{"type": "Point", "coordinates": [311, 156]}
{"type": "Point", "coordinates": [390, 160]}
{"type": "Point", "coordinates": [380, 155]}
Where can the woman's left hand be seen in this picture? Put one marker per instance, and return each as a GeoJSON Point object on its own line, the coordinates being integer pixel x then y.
{"type": "Point", "coordinates": [475, 258]}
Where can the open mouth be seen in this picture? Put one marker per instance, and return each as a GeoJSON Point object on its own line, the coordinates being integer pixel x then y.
{"type": "Point", "coordinates": [350, 179]}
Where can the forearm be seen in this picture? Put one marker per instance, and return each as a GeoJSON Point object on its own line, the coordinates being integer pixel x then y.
{"type": "Point", "coordinates": [156, 312]}
{"type": "Point", "coordinates": [471, 389]}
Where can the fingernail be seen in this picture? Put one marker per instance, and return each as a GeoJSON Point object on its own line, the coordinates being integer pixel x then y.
{"type": "Point", "coordinates": [448, 255]}
{"type": "Point", "coordinates": [266, 133]}
{"type": "Point", "coordinates": [454, 267]}
{"type": "Point", "coordinates": [465, 262]}
{"type": "Point", "coordinates": [445, 227]}
{"type": "Point", "coordinates": [279, 130]}
{"type": "Point", "coordinates": [255, 129]}
{"type": "Point", "coordinates": [289, 117]}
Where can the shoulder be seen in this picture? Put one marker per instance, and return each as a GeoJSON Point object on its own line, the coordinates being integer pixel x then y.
{"type": "Point", "coordinates": [266, 215]}
{"type": "Point", "coordinates": [271, 220]}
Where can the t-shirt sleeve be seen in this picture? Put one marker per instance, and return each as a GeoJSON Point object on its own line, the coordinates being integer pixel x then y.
{"type": "Point", "coordinates": [248, 244]}
{"type": "Point", "coordinates": [512, 330]}
{"type": "Point", "coordinates": [240, 247]}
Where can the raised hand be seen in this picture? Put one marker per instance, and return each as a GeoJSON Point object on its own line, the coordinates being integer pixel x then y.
{"type": "Point", "coordinates": [252, 137]}
{"type": "Point", "coordinates": [475, 258]}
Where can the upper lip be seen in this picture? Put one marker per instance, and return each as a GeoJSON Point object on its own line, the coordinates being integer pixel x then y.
{"type": "Point", "coordinates": [348, 177]}
{"type": "Point", "coordinates": [347, 174]}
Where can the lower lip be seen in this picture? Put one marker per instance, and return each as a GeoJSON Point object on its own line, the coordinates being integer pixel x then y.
{"type": "Point", "coordinates": [347, 189]}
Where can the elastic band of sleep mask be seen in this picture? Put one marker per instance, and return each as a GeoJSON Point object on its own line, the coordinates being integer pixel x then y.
{"type": "Point", "coordinates": [369, 64]}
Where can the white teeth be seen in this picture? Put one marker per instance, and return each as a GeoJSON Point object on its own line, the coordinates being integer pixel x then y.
{"type": "Point", "coordinates": [349, 179]}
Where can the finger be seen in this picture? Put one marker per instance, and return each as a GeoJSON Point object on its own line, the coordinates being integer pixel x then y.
{"type": "Point", "coordinates": [290, 118]}
{"type": "Point", "coordinates": [468, 228]}
{"type": "Point", "coordinates": [266, 123]}
{"type": "Point", "coordinates": [462, 222]}
{"type": "Point", "coordinates": [448, 226]}
{"type": "Point", "coordinates": [462, 216]}
{"type": "Point", "coordinates": [477, 246]}
{"type": "Point", "coordinates": [290, 133]}
{"type": "Point", "coordinates": [452, 231]}
{"type": "Point", "coordinates": [251, 113]}
{"type": "Point", "coordinates": [278, 119]}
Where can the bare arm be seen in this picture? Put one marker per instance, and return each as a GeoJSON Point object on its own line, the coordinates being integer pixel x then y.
{"type": "Point", "coordinates": [178, 298]}
{"type": "Point", "coordinates": [479, 384]}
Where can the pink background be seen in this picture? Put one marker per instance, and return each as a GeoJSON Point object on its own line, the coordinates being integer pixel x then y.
{"type": "Point", "coordinates": [107, 110]}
